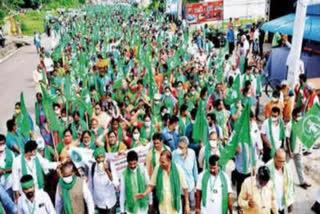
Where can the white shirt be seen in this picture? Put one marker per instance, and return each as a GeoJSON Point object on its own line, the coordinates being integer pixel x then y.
{"type": "Point", "coordinates": [298, 145]}
{"type": "Point", "coordinates": [202, 153]}
{"type": "Point", "coordinates": [31, 169]}
{"type": "Point", "coordinates": [275, 133]}
{"type": "Point", "coordinates": [41, 204]}
{"type": "Point", "coordinates": [48, 63]}
{"type": "Point", "coordinates": [279, 188]}
{"type": "Point", "coordinates": [214, 198]}
{"type": "Point", "coordinates": [123, 190]}
{"type": "Point", "coordinates": [255, 137]}
{"type": "Point", "coordinates": [102, 188]}
{"type": "Point", "coordinates": [5, 182]}
{"type": "Point", "coordinates": [86, 196]}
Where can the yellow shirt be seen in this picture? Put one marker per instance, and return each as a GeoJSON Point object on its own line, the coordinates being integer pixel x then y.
{"type": "Point", "coordinates": [166, 205]}
{"type": "Point", "coordinates": [149, 159]}
{"type": "Point", "coordinates": [263, 198]}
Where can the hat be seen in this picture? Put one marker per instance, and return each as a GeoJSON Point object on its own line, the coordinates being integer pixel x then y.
{"type": "Point", "coordinates": [99, 151]}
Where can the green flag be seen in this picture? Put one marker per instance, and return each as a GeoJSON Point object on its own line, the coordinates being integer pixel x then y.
{"type": "Point", "coordinates": [200, 126]}
{"type": "Point", "coordinates": [234, 93]}
{"type": "Point", "coordinates": [241, 134]}
{"type": "Point", "coordinates": [308, 128]}
{"type": "Point", "coordinates": [26, 128]}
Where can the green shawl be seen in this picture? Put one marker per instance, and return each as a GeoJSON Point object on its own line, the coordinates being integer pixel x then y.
{"type": "Point", "coordinates": [282, 136]}
{"type": "Point", "coordinates": [132, 187]}
{"type": "Point", "coordinates": [9, 160]}
{"type": "Point", "coordinates": [38, 170]}
{"type": "Point", "coordinates": [154, 163]}
{"type": "Point", "coordinates": [224, 192]}
{"type": "Point", "coordinates": [293, 135]}
{"type": "Point", "coordinates": [174, 186]}
{"type": "Point", "coordinates": [67, 205]}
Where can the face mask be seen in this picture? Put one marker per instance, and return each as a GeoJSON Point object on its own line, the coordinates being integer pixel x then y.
{"type": "Point", "coordinates": [299, 118]}
{"type": "Point", "coordinates": [98, 111]}
{"type": "Point", "coordinates": [64, 119]}
{"type": "Point", "coordinates": [57, 111]}
{"type": "Point", "coordinates": [210, 83]}
{"type": "Point", "coordinates": [275, 99]}
{"type": "Point", "coordinates": [29, 195]}
{"type": "Point", "coordinates": [180, 88]}
{"type": "Point", "coordinates": [179, 151]}
{"type": "Point", "coordinates": [101, 167]}
{"type": "Point", "coordinates": [136, 136]}
{"type": "Point", "coordinates": [156, 102]}
{"type": "Point", "coordinates": [274, 119]}
{"type": "Point", "coordinates": [167, 94]}
{"type": "Point", "coordinates": [165, 82]}
{"type": "Point", "coordinates": [213, 143]}
{"type": "Point", "coordinates": [147, 124]}
{"type": "Point", "coordinates": [2, 147]}
{"type": "Point", "coordinates": [18, 111]}
{"type": "Point", "coordinates": [193, 92]}
{"type": "Point", "coordinates": [67, 179]}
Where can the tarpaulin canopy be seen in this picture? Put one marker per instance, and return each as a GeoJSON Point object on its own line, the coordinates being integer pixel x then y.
{"type": "Point", "coordinates": [285, 25]}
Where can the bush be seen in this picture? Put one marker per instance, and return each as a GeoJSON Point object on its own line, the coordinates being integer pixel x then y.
{"type": "Point", "coordinates": [2, 15]}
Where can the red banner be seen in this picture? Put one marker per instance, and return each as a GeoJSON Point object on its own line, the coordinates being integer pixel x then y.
{"type": "Point", "coordinates": [204, 12]}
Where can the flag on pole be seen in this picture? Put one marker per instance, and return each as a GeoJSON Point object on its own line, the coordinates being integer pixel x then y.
{"type": "Point", "coordinates": [308, 128]}
{"type": "Point", "coordinates": [26, 127]}
{"type": "Point", "coordinates": [241, 134]}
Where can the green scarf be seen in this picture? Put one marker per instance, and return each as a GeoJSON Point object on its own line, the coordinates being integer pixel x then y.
{"type": "Point", "coordinates": [114, 148]}
{"type": "Point", "coordinates": [281, 137]}
{"type": "Point", "coordinates": [293, 136]}
{"type": "Point", "coordinates": [38, 170]}
{"type": "Point", "coordinates": [67, 205]}
{"type": "Point", "coordinates": [224, 192]}
{"type": "Point", "coordinates": [131, 189]}
{"type": "Point", "coordinates": [9, 160]}
{"type": "Point", "coordinates": [37, 114]}
{"type": "Point", "coordinates": [174, 186]}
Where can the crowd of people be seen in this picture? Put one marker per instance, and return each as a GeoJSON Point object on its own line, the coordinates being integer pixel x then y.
{"type": "Point", "coordinates": [120, 79]}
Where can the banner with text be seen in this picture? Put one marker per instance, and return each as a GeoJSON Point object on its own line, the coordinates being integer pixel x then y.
{"type": "Point", "coordinates": [204, 12]}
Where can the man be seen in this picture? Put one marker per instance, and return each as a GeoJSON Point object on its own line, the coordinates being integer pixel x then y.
{"type": "Point", "coordinates": [230, 39]}
{"type": "Point", "coordinates": [257, 194]}
{"type": "Point", "coordinates": [134, 179]}
{"type": "Point", "coordinates": [212, 148]}
{"type": "Point", "coordinates": [30, 163]}
{"type": "Point", "coordinates": [186, 159]}
{"type": "Point", "coordinates": [272, 134]}
{"type": "Point", "coordinates": [6, 160]}
{"type": "Point", "coordinates": [168, 179]}
{"type": "Point", "coordinates": [48, 63]}
{"type": "Point", "coordinates": [14, 140]}
{"type": "Point", "coordinates": [153, 155]}
{"type": "Point", "coordinates": [170, 135]}
{"type": "Point", "coordinates": [213, 190]}
{"type": "Point", "coordinates": [6, 202]}
{"type": "Point", "coordinates": [102, 183]}
{"type": "Point", "coordinates": [33, 200]}
{"type": "Point", "coordinates": [282, 182]}
{"type": "Point", "coordinates": [274, 102]}
{"type": "Point", "coordinates": [72, 193]}
{"type": "Point", "coordinates": [294, 147]}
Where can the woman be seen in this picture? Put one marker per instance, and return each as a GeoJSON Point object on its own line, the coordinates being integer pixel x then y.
{"type": "Point", "coordinates": [64, 146]}
{"type": "Point", "coordinates": [109, 140]}
{"type": "Point", "coordinates": [86, 140]}
{"type": "Point", "coordinates": [136, 139]}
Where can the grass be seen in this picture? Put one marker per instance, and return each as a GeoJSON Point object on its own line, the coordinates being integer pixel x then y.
{"type": "Point", "coordinates": [31, 21]}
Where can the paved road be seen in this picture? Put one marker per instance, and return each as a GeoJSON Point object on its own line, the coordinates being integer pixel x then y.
{"type": "Point", "coordinates": [16, 76]}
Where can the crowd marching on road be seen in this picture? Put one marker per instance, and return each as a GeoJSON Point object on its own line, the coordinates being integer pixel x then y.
{"type": "Point", "coordinates": [120, 81]}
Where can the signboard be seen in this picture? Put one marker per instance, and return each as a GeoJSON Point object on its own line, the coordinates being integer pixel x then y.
{"type": "Point", "coordinates": [83, 158]}
{"type": "Point", "coordinates": [204, 12]}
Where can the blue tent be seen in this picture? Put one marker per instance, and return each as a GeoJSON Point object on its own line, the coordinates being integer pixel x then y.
{"type": "Point", "coordinates": [285, 24]}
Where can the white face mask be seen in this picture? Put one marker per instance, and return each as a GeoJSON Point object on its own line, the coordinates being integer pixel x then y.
{"type": "Point", "coordinates": [57, 111]}
{"type": "Point", "coordinates": [136, 136]}
{"type": "Point", "coordinates": [179, 151]}
{"type": "Point", "coordinates": [274, 119]}
{"type": "Point", "coordinates": [98, 112]}
{"type": "Point", "coordinates": [64, 119]}
{"type": "Point", "coordinates": [101, 167]}
{"type": "Point", "coordinates": [213, 143]}
{"type": "Point", "coordinates": [147, 124]}
{"type": "Point", "coordinates": [299, 118]}
{"type": "Point", "coordinates": [68, 179]}
{"type": "Point", "coordinates": [167, 94]}
{"type": "Point", "coordinates": [193, 92]}
{"type": "Point", "coordinates": [2, 147]}
{"type": "Point", "coordinates": [275, 99]}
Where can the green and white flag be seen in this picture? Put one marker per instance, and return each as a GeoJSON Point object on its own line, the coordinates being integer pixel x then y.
{"type": "Point", "coordinates": [308, 128]}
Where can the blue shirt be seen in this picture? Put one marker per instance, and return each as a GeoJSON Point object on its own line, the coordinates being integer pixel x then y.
{"type": "Point", "coordinates": [170, 139]}
{"type": "Point", "coordinates": [230, 35]}
{"type": "Point", "coordinates": [7, 202]}
{"type": "Point", "coordinates": [239, 161]}
{"type": "Point", "coordinates": [189, 167]}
